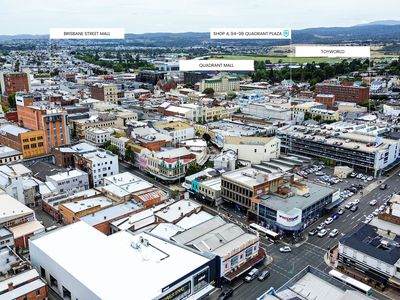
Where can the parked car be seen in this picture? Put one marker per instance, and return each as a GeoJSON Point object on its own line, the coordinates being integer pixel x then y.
{"type": "Point", "coordinates": [328, 221]}
{"type": "Point", "coordinates": [354, 208]}
{"type": "Point", "coordinates": [376, 212]}
{"type": "Point", "coordinates": [264, 275]}
{"type": "Point", "coordinates": [335, 217]}
{"type": "Point", "coordinates": [312, 232]}
{"type": "Point", "coordinates": [373, 202]}
{"type": "Point", "coordinates": [321, 226]}
{"type": "Point", "coordinates": [322, 233]}
{"type": "Point", "coordinates": [226, 293]}
{"type": "Point", "coordinates": [251, 275]}
{"type": "Point", "coordinates": [340, 211]}
{"type": "Point", "coordinates": [334, 233]}
{"type": "Point", "coordinates": [370, 178]}
{"type": "Point", "coordinates": [356, 201]}
{"type": "Point", "coordinates": [349, 205]}
{"type": "Point", "coordinates": [383, 186]}
{"type": "Point", "coordinates": [285, 249]}
{"type": "Point", "coordinates": [352, 175]}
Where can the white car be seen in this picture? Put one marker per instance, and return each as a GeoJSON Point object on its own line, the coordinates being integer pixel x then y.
{"type": "Point", "coordinates": [370, 216]}
{"type": "Point", "coordinates": [328, 221]}
{"type": "Point", "coordinates": [334, 233]}
{"type": "Point", "coordinates": [285, 249]}
{"type": "Point", "coordinates": [322, 233]}
{"type": "Point", "coordinates": [321, 226]}
{"type": "Point", "coordinates": [356, 201]}
{"type": "Point", "coordinates": [373, 202]}
{"type": "Point", "coordinates": [367, 220]}
{"type": "Point", "coordinates": [376, 212]}
{"type": "Point", "coordinates": [381, 208]}
{"type": "Point", "coordinates": [370, 178]}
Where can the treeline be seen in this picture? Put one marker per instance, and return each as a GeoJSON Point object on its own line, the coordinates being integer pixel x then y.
{"type": "Point", "coordinates": [122, 63]}
{"type": "Point", "coordinates": [310, 72]}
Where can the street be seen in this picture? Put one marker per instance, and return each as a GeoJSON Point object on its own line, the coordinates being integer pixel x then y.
{"type": "Point", "coordinates": [311, 252]}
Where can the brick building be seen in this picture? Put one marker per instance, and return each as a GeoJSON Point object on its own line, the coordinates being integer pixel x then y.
{"type": "Point", "coordinates": [11, 83]}
{"type": "Point", "coordinates": [342, 93]}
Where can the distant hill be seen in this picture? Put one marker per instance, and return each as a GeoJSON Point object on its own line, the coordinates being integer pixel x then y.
{"type": "Point", "coordinates": [375, 32]}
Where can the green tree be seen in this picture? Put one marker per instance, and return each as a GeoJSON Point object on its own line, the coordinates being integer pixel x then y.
{"type": "Point", "coordinates": [209, 91]}
{"type": "Point", "coordinates": [231, 95]}
{"type": "Point", "coordinates": [193, 169]}
{"type": "Point", "coordinates": [114, 149]}
{"type": "Point", "coordinates": [174, 194]}
{"type": "Point", "coordinates": [11, 100]}
{"type": "Point", "coordinates": [128, 154]}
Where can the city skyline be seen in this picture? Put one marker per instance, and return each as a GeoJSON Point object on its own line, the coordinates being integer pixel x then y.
{"type": "Point", "coordinates": [193, 15]}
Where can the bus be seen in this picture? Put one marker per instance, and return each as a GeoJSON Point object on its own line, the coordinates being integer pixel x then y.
{"type": "Point", "coordinates": [362, 287]}
{"type": "Point", "coordinates": [273, 236]}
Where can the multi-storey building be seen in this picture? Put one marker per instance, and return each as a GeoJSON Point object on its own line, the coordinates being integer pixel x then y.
{"type": "Point", "coordinates": [254, 149]}
{"type": "Point", "coordinates": [373, 154]}
{"type": "Point", "coordinates": [178, 131]}
{"type": "Point", "coordinates": [150, 76]}
{"type": "Point", "coordinates": [70, 181]}
{"type": "Point", "coordinates": [98, 136]}
{"type": "Point", "coordinates": [104, 92]}
{"type": "Point", "coordinates": [11, 83]}
{"type": "Point", "coordinates": [221, 84]}
{"type": "Point", "coordinates": [344, 93]}
{"type": "Point", "coordinates": [121, 143]}
{"type": "Point", "coordinates": [42, 116]}
{"type": "Point", "coordinates": [9, 155]}
{"type": "Point", "coordinates": [97, 165]}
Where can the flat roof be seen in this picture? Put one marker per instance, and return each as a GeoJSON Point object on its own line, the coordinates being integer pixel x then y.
{"type": "Point", "coordinates": [67, 175]}
{"type": "Point", "coordinates": [11, 208]}
{"type": "Point", "coordinates": [87, 254]}
{"type": "Point", "coordinates": [248, 176]}
{"type": "Point", "coordinates": [84, 204]}
{"type": "Point", "coordinates": [7, 151]}
{"type": "Point", "coordinates": [174, 211]}
{"type": "Point", "coordinates": [316, 192]}
{"type": "Point", "coordinates": [111, 213]}
{"type": "Point", "coordinates": [26, 228]}
{"type": "Point", "coordinates": [13, 130]}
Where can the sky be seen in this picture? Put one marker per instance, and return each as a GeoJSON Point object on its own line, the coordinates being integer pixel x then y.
{"type": "Point", "coordinates": [142, 16]}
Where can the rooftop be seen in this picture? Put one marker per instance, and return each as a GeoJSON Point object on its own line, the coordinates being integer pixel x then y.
{"type": "Point", "coordinates": [173, 212]}
{"type": "Point", "coordinates": [84, 204]}
{"type": "Point", "coordinates": [13, 130]}
{"type": "Point", "coordinates": [250, 177]}
{"type": "Point", "coordinates": [364, 238]}
{"type": "Point", "coordinates": [67, 175]}
{"type": "Point", "coordinates": [11, 208]}
{"type": "Point", "coordinates": [78, 249]}
{"type": "Point", "coordinates": [7, 152]}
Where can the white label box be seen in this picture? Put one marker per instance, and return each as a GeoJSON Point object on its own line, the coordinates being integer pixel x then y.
{"type": "Point", "coordinates": [216, 65]}
{"type": "Point", "coordinates": [332, 51]}
{"type": "Point", "coordinates": [250, 33]}
{"type": "Point", "coordinates": [87, 33]}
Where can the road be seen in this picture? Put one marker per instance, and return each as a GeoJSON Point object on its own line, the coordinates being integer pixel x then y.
{"type": "Point", "coordinates": [285, 265]}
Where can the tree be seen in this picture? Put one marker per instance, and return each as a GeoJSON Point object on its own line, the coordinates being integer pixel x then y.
{"type": "Point", "coordinates": [174, 194]}
{"type": "Point", "coordinates": [128, 153]}
{"type": "Point", "coordinates": [193, 169]}
{"type": "Point", "coordinates": [114, 149]}
{"type": "Point", "coordinates": [11, 100]}
{"type": "Point", "coordinates": [106, 144]}
{"type": "Point", "coordinates": [209, 91]}
{"type": "Point", "coordinates": [231, 95]}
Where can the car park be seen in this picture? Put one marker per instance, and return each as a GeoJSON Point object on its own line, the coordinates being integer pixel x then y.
{"type": "Point", "coordinates": [312, 232]}
{"type": "Point", "coordinates": [226, 294]}
{"type": "Point", "coordinates": [373, 202]}
{"type": "Point", "coordinates": [285, 249]}
{"type": "Point", "coordinates": [334, 233]}
{"type": "Point", "coordinates": [328, 221]}
{"type": "Point", "coordinates": [251, 275]}
{"type": "Point", "coordinates": [263, 275]}
{"type": "Point", "coordinates": [322, 233]}
{"type": "Point", "coordinates": [354, 208]}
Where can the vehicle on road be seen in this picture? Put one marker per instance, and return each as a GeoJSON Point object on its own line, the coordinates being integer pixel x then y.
{"type": "Point", "coordinates": [335, 217]}
{"type": "Point", "coordinates": [251, 275]}
{"type": "Point", "coordinates": [263, 275]}
{"type": "Point", "coordinates": [349, 205]}
{"type": "Point", "coordinates": [376, 212]}
{"type": "Point", "coordinates": [341, 211]}
{"type": "Point", "coordinates": [370, 178]}
{"type": "Point", "coordinates": [322, 232]}
{"type": "Point", "coordinates": [271, 235]}
{"type": "Point", "coordinates": [328, 221]}
{"type": "Point", "coordinates": [321, 226]}
{"type": "Point", "coordinates": [334, 233]}
{"type": "Point", "coordinates": [226, 294]}
{"type": "Point", "coordinates": [285, 249]}
{"type": "Point", "coordinates": [354, 208]}
{"type": "Point", "coordinates": [373, 202]}
{"type": "Point", "coordinates": [312, 232]}
{"type": "Point", "coordinates": [370, 216]}
{"type": "Point", "coordinates": [356, 201]}
{"type": "Point", "coordinates": [383, 186]}
{"type": "Point", "coordinates": [382, 208]}
{"type": "Point", "coordinates": [367, 220]}
{"type": "Point", "coordinates": [362, 287]}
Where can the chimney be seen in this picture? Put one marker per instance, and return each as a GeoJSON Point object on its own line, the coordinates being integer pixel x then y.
{"type": "Point", "coordinates": [10, 286]}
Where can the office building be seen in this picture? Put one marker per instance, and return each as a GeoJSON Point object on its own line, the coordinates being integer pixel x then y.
{"type": "Point", "coordinates": [98, 136]}
{"type": "Point", "coordinates": [80, 262]}
{"type": "Point", "coordinates": [13, 82]}
{"type": "Point", "coordinates": [70, 181]}
{"type": "Point", "coordinates": [344, 93]}
{"type": "Point", "coordinates": [150, 76]}
{"type": "Point", "coordinates": [178, 131]}
{"type": "Point", "coordinates": [221, 84]}
{"type": "Point", "coordinates": [104, 92]}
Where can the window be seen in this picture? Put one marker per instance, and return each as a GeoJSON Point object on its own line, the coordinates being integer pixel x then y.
{"type": "Point", "coordinates": [37, 292]}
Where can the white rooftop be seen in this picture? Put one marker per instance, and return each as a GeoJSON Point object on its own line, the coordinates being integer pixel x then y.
{"type": "Point", "coordinates": [87, 255]}
{"type": "Point", "coordinates": [80, 205]}
{"type": "Point", "coordinates": [174, 211]}
{"type": "Point", "coordinates": [67, 175]}
{"type": "Point", "coordinates": [11, 208]}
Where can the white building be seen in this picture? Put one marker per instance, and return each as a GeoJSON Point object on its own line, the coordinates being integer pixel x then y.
{"type": "Point", "coordinates": [120, 143]}
{"type": "Point", "coordinates": [221, 84]}
{"type": "Point", "coordinates": [70, 181]}
{"type": "Point", "coordinates": [98, 164]}
{"type": "Point", "coordinates": [254, 149]}
{"type": "Point", "coordinates": [391, 110]}
{"type": "Point", "coordinates": [79, 262]}
{"type": "Point", "coordinates": [225, 160]}
{"type": "Point", "coordinates": [98, 136]}
{"type": "Point", "coordinates": [178, 131]}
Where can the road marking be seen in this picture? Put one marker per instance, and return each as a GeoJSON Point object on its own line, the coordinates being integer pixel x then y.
{"type": "Point", "coordinates": [320, 248]}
